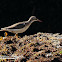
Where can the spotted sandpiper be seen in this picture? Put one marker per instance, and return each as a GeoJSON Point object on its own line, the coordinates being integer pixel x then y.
{"type": "Point", "coordinates": [20, 27]}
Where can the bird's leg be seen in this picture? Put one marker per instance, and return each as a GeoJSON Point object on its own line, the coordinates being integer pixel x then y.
{"type": "Point", "coordinates": [16, 35]}
{"type": "Point", "coordinates": [6, 34]}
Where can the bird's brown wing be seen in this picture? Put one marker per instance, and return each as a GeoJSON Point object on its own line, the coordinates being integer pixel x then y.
{"type": "Point", "coordinates": [19, 26]}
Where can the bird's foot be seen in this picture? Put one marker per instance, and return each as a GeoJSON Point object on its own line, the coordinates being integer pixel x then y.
{"type": "Point", "coordinates": [16, 36]}
{"type": "Point", "coordinates": [1, 38]}
{"type": "Point", "coordinates": [6, 34]}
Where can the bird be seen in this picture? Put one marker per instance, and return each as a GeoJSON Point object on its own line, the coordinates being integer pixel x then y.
{"type": "Point", "coordinates": [20, 27]}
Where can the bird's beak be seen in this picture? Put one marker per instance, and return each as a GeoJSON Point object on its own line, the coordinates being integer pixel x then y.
{"type": "Point", "coordinates": [39, 20]}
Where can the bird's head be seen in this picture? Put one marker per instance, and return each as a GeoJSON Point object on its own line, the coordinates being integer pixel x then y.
{"type": "Point", "coordinates": [33, 18]}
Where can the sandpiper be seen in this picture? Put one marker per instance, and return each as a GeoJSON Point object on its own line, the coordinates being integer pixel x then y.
{"type": "Point", "coordinates": [20, 27]}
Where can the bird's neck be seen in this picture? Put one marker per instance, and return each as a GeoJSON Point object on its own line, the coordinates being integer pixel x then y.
{"type": "Point", "coordinates": [30, 21]}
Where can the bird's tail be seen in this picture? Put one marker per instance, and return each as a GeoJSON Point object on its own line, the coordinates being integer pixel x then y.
{"type": "Point", "coordinates": [3, 29]}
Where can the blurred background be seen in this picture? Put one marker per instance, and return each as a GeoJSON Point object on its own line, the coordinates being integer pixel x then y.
{"type": "Point", "coordinates": [49, 11]}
